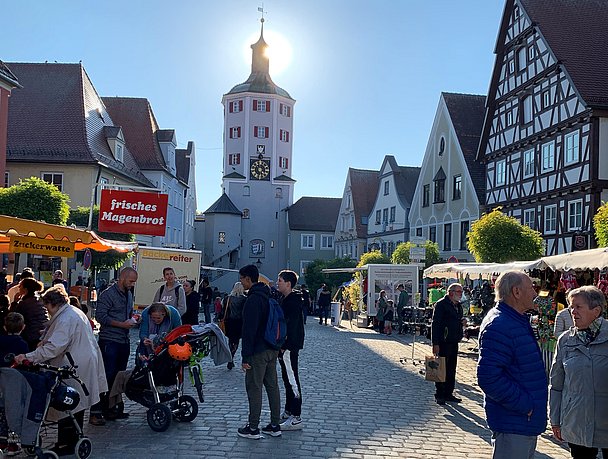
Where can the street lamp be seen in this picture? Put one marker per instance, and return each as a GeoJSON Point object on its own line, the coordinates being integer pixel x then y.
{"type": "Point", "coordinates": [258, 264]}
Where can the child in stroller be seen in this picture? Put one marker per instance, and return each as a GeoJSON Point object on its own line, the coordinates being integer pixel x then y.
{"type": "Point", "coordinates": [158, 383]}
{"type": "Point", "coordinates": [45, 384]}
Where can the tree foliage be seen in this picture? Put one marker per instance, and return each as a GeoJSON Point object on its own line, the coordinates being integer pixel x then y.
{"type": "Point", "coordinates": [401, 255]}
{"type": "Point", "coordinates": [600, 224]}
{"type": "Point", "coordinates": [314, 276]}
{"type": "Point", "coordinates": [498, 238]}
{"type": "Point", "coordinates": [100, 260]}
{"type": "Point", "coordinates": [35, 199]}
{"type": "Point", "coordinates": [375, 257]}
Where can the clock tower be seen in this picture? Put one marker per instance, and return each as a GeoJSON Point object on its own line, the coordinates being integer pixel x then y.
{"type": "Point", "coordinates": [257, 169]}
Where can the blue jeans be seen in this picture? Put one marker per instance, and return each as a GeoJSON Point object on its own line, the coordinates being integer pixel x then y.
{"type": "Point", "coordinates": [510, 446]}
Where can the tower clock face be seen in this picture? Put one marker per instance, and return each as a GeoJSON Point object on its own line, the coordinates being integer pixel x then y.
{"type": "Point", "coordinates": [260, 169]}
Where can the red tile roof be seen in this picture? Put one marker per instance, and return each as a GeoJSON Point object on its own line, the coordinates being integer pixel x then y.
{"type": "Point", "coordinates": [58, 117]}
{"type": "Point", "coordinates": [577, 33]}
{"type": "Point", "coordinates": [139, 126]}
{"type": "Point", "coordinates": [364, 186]}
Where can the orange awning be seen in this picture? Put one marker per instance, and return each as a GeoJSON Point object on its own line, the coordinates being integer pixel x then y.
{"type": "Point", "coordinates": [13, 226]}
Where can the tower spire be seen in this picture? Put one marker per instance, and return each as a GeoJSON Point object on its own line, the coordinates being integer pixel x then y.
{"type": "Point", "coordinates": [259, 61]}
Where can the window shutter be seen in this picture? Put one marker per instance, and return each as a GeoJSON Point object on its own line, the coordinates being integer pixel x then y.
{"type": "Point", "coordinates": [231, 133]}
{"type": "Point", "coordinates": [238, 130]}
{"type": "Point", "coordinates": [267, 105]}
{"type": "Point", "coordinates": [287, 136]}
{"type": "Point", "coordinates": [286, 163]}
{"type": "Point", "coordinates": [238, 158]}
{"type": "Point", "coordinates": [266, 132]}
{"type": "Point", "coordinates": [255, 105]}
{"type": "Point", "coordinates": [281, 108]}
{"type": "Point", "coordinates": [230, 107]}
{"type": "Point", "coordinates": [240, 105]}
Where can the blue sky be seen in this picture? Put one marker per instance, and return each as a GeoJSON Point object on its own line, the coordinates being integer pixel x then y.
{"type": "Point", "coordinates": [366, 75]}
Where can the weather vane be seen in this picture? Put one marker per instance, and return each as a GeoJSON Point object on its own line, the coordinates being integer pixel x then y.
{"type": "Point", "coordinates": [261, 10]}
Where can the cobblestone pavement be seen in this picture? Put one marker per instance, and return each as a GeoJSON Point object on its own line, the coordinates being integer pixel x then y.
{"type": "Point", "coordinates": [360, 401]}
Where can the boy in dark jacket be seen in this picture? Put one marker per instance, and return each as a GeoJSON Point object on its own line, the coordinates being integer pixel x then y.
{"type": "Point", "coordinates": [259, 359]}
{"type": "Point", "coordinates": [292, 305]}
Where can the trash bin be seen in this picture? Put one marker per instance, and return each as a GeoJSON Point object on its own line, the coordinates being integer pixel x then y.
{"type": "Point", "coordinates": [335, 314]}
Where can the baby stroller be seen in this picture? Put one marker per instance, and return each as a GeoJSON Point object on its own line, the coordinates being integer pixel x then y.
{"type": "Point", "coordinates": [48, 390]}
{"type": "Point", "coordinates": [158, 382]}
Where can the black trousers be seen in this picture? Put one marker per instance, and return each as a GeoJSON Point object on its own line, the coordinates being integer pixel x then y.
{"type": "Point", "coordinates": [67, 433]}
{"type": "Point", "coordinates": [291, 379]}
{"type": "Point", "coordinates": [323, 313]}
{"type": "Point", "coordinates": [584, 452]}
{"type": "Point", "coordinates": [450, 352]}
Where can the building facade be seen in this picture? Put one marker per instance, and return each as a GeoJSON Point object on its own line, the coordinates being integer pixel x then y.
{"type": "Point", "coordinates": [358, 199]}
{"type": "Point", "coordinates": [312, 224]}
{"type": "Point", "coordinates": [450, 188]}
{"type": "Point", "coordinates": [388, 222]}
{"type": "Point", "coordinates": [8, 82]}
{"type": "Point", "coordinates": [155, 151]}
{"type": "Point", "coordinates": [545, 136]}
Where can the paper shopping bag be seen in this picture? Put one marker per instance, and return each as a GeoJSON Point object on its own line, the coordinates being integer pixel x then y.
{"type": "Point", "coordinates": [435, 368]}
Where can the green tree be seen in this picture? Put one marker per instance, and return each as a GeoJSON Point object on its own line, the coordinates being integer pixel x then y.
{"type": "Point", "coordinates": [401, 255]}
{"type": "Point", "coordinates": [35, 199]}
{"type": "Point", "coordinates": [100, 260]}
{"type": "Point", "coordinates": [314, 277]}
{"type": "Point", "coordinates": [600, 224]}
{"type": "Point", "coordinates": [498, 238]}
{"type": "Point", "coordinates": [374, 257]}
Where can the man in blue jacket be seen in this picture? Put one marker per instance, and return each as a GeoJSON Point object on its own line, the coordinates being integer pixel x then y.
{"type": "Point", "coordinates": [259, 359]}
{"type": "Point", "coordinates": [511, 372]}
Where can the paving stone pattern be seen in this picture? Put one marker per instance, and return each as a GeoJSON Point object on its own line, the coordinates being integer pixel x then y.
{"type": "Point", "coordinates": [360, 401]}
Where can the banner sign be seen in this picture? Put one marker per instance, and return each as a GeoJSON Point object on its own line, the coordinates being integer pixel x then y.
{"type": "Point", "coordinates": [51, 247]}
{"type": "Point", "coordinates": [133, 212]}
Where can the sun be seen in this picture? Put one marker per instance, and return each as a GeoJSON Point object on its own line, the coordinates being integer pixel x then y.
{"type": "Point", "coordinates": [279, 50]}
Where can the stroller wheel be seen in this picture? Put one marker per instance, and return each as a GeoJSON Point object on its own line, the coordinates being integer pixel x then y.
{"type": "Point", "coordinates": [187, 409]}
{"type": "Point", "coordinates": [83, 448]}
{"type": "Point", "coordinates": [159, 417]}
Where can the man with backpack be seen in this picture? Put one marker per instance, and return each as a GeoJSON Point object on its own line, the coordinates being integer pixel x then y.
{"type": "Point", "coordinates": [171, 292]}
{"type": "Point", "coordinates": [259, 356]}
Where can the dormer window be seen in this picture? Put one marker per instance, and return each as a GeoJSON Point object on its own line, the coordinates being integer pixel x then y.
{"type": "Point", "coordinates": [119, 152]}
{"type": "Point", "coordinates": [439, 187]}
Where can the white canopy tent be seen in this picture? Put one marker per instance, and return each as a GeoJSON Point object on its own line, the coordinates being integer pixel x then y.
{"type": "Point", "coordinates": [580, 260]}
{"type": "Point", "coordinates": [456, 270]}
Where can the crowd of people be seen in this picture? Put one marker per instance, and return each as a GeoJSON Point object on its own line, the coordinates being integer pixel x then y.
{"type": "Point", "coordinates": [44, 327]}
{"type": "Point", "coordinates": [519, 397]}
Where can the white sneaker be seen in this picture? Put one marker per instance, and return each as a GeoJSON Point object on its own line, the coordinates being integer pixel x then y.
{"type": "Point", "coordinates": [285, 415]}
{"type": "Point", "coordinates": [292, 423]}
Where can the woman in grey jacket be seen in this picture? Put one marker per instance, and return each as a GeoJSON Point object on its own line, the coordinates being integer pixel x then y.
{"type": "Point", "coordinates": [578, 396]}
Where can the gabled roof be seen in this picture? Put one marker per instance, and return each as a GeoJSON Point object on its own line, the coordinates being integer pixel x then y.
{"type": "Point", "coordinates": [8, 77]}
{"type": "Point", "coordinates": [405, 178]}
{"type": "Point", "coordinates": [223, 206]}
{"type": "Point", "coordinates": [182, 162]}
{"type": "Point", "coordinates": [467, 113]}
{"type": "Point", "coordinates": [58, 117]}
{"type": "Point", "coordinates": [577, 33]}
{"type": "Point", "coordinates": [139, 126]}
{"type": "Point", "coordinates": [314, 214]}
{"type": "Point", "coordinates": [364, 188]}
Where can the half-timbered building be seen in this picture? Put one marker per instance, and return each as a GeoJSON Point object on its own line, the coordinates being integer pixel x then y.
{"type": "Point", "coordinates": [545, 136]}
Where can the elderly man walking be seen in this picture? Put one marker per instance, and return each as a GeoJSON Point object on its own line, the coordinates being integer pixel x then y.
{"type": "Point", "coordinates": [446, 333]}
{"type": "Point", "coordinates": [511, 372]}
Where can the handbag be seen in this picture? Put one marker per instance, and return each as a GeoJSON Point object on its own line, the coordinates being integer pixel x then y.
{"type": "Point", "coordinates": [434, 368]}
{"type": "Point", "coordinates": [222, 321]}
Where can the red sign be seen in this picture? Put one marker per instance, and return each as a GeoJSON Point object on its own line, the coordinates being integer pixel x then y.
{"type": "Point", "coordinates": [133, 212]}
